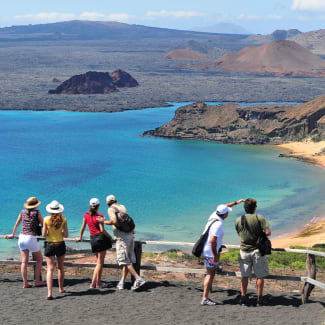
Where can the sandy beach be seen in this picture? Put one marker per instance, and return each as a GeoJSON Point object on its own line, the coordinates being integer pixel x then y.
{"type": "Point", "coordinates": [160, 302]}
{"type": "Point", "coordinates": [311, 152]}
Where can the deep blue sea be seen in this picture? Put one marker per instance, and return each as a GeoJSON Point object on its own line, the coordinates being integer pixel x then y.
{"type": "Point", "coordinates": [170, 187]}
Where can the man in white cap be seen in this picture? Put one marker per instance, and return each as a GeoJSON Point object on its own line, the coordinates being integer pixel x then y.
{"type": "Point", "coordinates": [212, 247]}
{"type": "Point", "coordinates": [124, 244]}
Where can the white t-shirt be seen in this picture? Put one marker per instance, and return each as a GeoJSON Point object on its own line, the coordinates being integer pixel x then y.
{"type": "Point", "coordinates": [216, 230]}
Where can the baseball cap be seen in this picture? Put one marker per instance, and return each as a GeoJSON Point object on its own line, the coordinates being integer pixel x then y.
{"type": "Point", "coordinates": [223, 209]}
{"type": "Point", "coordinates": [94, 202]}
{"type": "Point", "coordinates": [110, 198]}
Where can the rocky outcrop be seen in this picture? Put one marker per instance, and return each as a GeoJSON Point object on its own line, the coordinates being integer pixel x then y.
{"type": "Point", "coordinates": [232, 123]}
{"type": "Point", "coordinates": [94, 82]}
{"type": "Point", "coordinates": [281, 58]}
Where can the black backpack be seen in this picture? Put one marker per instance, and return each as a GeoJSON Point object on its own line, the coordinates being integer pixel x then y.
{"type": "Point", "coordinates": [124, 222]}
{"type": "Point", "coordinates": [199, 245]}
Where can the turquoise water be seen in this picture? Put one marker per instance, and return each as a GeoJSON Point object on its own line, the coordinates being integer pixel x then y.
{"type": "Point", "coordinates": [170, 187]}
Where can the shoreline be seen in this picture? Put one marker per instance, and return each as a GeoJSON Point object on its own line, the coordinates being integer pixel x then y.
{"type": "Point", "coordinates": [314, 232]}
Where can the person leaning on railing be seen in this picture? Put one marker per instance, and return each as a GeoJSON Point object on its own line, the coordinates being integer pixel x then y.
{"type": "Point", "coordinates": [27, 242]}
{"type": "Point", "coordinates": [55, 229]}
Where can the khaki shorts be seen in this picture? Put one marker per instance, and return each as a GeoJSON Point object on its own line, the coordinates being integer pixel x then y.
{"type": "Point", "coordinates": [253, 259]}
{"type": "Point", "coordinates": [125, 250]}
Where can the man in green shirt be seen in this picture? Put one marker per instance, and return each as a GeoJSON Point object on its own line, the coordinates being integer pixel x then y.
{"type": "Point", "coordinates": [249, 229]}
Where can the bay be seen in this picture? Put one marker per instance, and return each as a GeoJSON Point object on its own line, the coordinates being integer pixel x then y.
{"type": "Point", "coordinates": [170, 187]}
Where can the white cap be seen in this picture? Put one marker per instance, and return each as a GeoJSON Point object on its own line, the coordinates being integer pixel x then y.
{"type": "Point", "coordinates": [223, 209]}
{"type": "Point", "coordinates": [110, 198]}
{"type": "Point", "coordinates": [94, 202]}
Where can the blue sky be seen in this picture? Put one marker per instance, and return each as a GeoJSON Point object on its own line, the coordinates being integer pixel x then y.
{"type": "Point", "coordinates": [257, 16]}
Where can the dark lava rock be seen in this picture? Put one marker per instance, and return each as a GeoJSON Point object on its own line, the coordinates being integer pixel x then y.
{"type": "Point", "coordinates": [94, 82]}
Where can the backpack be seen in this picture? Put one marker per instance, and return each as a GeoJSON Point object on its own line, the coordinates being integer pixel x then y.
{"type": "Point", "coordinates": [124, 222]}
{"type": "Point", "coordinates": [199, 245]}
{"type": "Point", "coordinates": [263, 244]}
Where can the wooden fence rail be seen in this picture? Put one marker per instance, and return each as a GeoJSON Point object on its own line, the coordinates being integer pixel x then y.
{"type": "Point", "coordinates": [309, 281]}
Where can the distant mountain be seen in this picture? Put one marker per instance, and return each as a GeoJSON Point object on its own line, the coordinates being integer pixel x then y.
{"type": "Point", "coordinates": [275, 57]}
{"type": "Point", "coordinates": [281, 34]}
{"type": "Point", "coordinates": [91, 30]}
{"type": "Point", "coordinates": [313, 41]}
{"type": "Point", "coordinates": [94, 82]}
{"type": "Point", "coordinates": [185, 55]}
{"type": "Point", "coordinates": [223, 28]}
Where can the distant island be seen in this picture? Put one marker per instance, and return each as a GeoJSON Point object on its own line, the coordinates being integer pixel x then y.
{"type": "Point", "coordinates": [93, 82]}
{"type": "Point", "coordinates": [260, 124]}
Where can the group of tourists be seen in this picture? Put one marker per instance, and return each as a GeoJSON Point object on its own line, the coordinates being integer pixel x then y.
{"type": "Point", "coordinates": [249, 228]}
{"type": "Point", "coordinates": [55, 229]}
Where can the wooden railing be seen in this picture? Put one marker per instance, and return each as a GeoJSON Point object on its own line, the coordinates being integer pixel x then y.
{"type": "Point", "coordinates": [309, 281]}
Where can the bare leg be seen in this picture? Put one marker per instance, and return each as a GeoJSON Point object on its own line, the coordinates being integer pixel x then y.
{"type": "Point", "coordinates": [244, 284]}
{"type": "Point", "coordinates": [207, 285]}
{"type": "Point", "coordinates": [50, 261]}
{"type": "Point", "coordinates": [94, 280]}
{"type": "Point", "coordinates": [24, 262]}
{"type": "Point", "coordinates": [260, 286]}
{"type": "Point", "coordinates": [124, 272]}
{"type": "Point", "coordinates": [100, 263]}
{"type": "Point", "coordinates": [131, 269]}
{"type": "Point", "coordinates": [61, 273]}
{"type": "Point", "coordinates": [39, 259]}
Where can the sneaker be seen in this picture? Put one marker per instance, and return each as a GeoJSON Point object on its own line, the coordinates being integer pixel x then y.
{"type": "Point", "coordinates": [243, 301]}
{"type": "Point", "coordinates": [120, 285]}
{"type": "Point", "coordinates": [208, 302]}
{"type": "Point", "coordinates": [137, 284]}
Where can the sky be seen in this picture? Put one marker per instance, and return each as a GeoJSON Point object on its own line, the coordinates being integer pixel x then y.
{"type": "Point", "coordinates": [256, 16]}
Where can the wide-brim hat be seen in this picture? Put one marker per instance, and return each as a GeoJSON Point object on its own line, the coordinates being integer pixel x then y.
{"type": "Point", "coordinates": [54, 207]}
{"type": "Point", "coordinates": [32, 203]}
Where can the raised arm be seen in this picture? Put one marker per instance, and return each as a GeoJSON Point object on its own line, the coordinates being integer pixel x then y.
{"type": "Point", "coordinates": [231, 204]}
{"type": "Point", "coordinates": [18, 221]}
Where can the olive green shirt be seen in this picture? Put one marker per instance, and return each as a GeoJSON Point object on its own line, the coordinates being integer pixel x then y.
{"type": "Point", "coordinates": [250, 231]}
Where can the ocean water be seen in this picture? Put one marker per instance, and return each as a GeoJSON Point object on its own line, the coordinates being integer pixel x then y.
{"type": "Point", "coordinates": [170, 187]}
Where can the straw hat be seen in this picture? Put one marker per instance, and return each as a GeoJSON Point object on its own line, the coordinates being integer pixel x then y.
{"type": "Point", "coordinates": [55, 207]}
{"type": "Point", "coordinates": [32, 203]}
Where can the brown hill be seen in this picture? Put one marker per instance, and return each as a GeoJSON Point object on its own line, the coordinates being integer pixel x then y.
{"type": "Point", "coordinates": [282, 57]}
{"type": "Point", "coordinates": [185, 55]}
{"type": "Point", "coordinates": [94, 82]}
{"type": "Point", "coordinates": [260, 124]}
{"type": "Point", "coordinates": [313, 41]}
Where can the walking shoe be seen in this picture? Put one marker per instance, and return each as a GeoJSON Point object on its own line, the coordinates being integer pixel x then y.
{"type": "Point", "coordinates": [120, 285]}
{"type": "Point", "coordinates": [208, 302]}
{"type": "Point", "coordinates": [137, 284]}
{"type": "Point", "coordinates": [243, 301]}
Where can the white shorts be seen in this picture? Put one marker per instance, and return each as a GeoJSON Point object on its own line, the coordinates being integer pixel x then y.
{"type": "Point", "coordinates": [28, 242]}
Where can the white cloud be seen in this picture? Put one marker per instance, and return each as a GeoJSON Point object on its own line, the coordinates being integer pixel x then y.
{"type": "Point", "coordinates": [46, 16]}
{"type": "Point", "coordinates": [174, 14]}
{"type": "Point", "coordinates": [308, 5]}
{"type": "Point", "coordinates": [55, 16]}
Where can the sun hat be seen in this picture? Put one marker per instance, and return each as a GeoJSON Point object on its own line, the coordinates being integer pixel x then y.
{"type": "Point", "coordinates": [55, 207]}
{"type": "Point", "coordinates": [223, 209]}
{"type": "Point", "coordinates": [94, 202]}
{"type": "Point", "coordinates": [110, 198]}
{"type": "Point", "coordinates": [32, 203]}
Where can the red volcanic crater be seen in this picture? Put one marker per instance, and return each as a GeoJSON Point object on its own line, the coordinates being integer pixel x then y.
{"type": "Point", "coordinates": [185, 55]}
{"type": "Point", "coordinates": [282, 57]}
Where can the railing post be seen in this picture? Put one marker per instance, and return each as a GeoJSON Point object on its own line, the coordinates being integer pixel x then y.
{"type": "Point", "coordinates": [311, 273]}
{"type": "Point", "coordinates": [138, 253]}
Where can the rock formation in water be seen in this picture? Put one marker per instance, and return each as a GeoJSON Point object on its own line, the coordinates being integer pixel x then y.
{"type": "Point", "coordinates": [281, 58]}
{"type": "Point", "coordinates": [233, 123]}
{"type": "Point", "coordinates": [94, 82]}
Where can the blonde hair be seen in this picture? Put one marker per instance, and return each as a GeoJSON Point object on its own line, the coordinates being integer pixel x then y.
{"type": "Point", "coordinates": [56, 220]}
